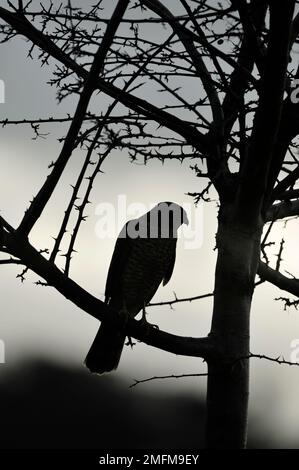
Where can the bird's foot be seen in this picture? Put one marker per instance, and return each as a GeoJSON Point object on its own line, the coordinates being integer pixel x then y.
{"type": "Point", "coordinates": [130, 342]}
{"type": "Point", "coordinates": [124, 314]}
{"type": "Point", "coordinates": [143, 321]}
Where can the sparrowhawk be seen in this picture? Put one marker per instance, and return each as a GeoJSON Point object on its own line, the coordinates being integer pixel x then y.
{"type": "Point", "coordinates": [143, 257]}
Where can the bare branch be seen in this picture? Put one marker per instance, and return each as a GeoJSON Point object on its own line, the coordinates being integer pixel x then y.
{"type": "Point", "coordinates": [278, 360]}
{"type": "Point", "coordinates": [197, 61]}
{"type": "Point", "coordinates": [277, 279]}
{"type": "Point", "coordinates": [190, 133]}
{"type": "Point", "coordinates": [288, 195]}
{"type": "Point", "coordinates": [288, 302]}
{"type": "Point", "coordinates": [23, 250]}
{"type": "Point", "coordinates": [283, 210]}
{"type": "Point", "coordinates": [239, 79]}
{"type": "Point", "coordinates": [162, 377]}
{"type": "Point", "coordinates": [267, 119]}
{"type": "Point", "coordinates": [279, 255]}
{"type": "Point", "coordinates": [10, 261]}
{"type": "Point", "coordinates": [177, 301]}
{"type": "Point", "coordinates": [286, 182]}
{"type": "Point", "coordinates": [40, 201]}
{"type": "Point", "coordinates": [81, 208]}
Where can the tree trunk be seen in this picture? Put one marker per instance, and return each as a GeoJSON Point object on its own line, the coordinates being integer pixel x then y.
{"type": "Point", "coordinates": [228, 382]}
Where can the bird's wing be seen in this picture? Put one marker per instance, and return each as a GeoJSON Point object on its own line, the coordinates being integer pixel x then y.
{"type": "Point", "coordinates": [118, 261]}
{"type": "Point", "coordinates": [169, 270]}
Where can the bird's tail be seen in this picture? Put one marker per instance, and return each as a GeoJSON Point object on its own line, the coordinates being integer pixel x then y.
{"type": "Point", "coordinates": [106, 349]}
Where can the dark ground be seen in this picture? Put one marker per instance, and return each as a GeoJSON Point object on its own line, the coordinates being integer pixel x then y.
{"type": "Point", "coordinates": [45, 405]}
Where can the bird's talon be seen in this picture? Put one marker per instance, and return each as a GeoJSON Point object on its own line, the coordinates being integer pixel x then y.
{"type": "Point", "coordinates": [130, 342]}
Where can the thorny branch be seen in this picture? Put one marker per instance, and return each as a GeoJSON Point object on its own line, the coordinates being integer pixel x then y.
{"type": "Point", "coordinates": [277, 360]}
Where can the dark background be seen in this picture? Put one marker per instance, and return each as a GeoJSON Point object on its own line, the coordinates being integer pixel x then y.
{"type": "Point", "coordinates": [49, 406]}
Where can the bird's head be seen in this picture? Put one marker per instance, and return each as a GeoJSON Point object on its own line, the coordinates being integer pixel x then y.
{"type": "Point", "coordinates": [171, 216]}
{"type": "Point", "coordinates": [179, 214]}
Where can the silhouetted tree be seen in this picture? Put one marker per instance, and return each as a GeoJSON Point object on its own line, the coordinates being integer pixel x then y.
{"type": "Point", "coordinates": [239, 128]}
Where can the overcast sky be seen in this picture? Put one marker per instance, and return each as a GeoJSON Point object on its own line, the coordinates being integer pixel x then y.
{"type": "Point", "coordinates": [40, 322]}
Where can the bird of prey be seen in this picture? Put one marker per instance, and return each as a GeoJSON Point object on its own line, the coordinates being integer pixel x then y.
{"type": "Point", "coordinates": [143, 257]}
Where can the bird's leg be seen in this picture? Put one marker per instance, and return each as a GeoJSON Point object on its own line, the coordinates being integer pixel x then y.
{"type": "Point", "coordinates": [125, 314]}
{"type": "Point", "coordinates": [144, 320]}
{"type": "Point", "coordinates": [130, 342]}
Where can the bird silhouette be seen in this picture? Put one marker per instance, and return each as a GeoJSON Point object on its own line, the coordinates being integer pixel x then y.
{"type": "Point", "coordinates": [143, 257]}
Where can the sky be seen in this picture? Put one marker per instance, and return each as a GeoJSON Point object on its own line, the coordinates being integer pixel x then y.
{"type": "Point", "coordinates": [38, 322]}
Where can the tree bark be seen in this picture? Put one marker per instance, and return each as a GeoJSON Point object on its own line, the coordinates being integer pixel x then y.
{"type": "Point", "coordinates": [228, 381]}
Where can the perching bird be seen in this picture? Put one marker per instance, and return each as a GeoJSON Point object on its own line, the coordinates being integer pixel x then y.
{"type": "Point", "coordinates": [143, 257]}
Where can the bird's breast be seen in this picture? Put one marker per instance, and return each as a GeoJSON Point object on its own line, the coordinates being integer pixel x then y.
{"type": "Point", "coordinates": [147, 264]}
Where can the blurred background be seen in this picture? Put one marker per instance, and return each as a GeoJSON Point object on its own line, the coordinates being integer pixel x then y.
{"type": "Point", "coordinates": [47, 397]}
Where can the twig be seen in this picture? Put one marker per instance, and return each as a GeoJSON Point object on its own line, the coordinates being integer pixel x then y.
{"type": "Point", "coordinates": [277, 360]}
{"type": "Point", "coordinates": [81, 218]}
{"type": "Point", "coordinates": [288, 302]}
{"type": "Point", "coordinates": [10, 261]}
{"type": "Point", "coordinates": [279, 255]}
{"type": "Point", "coordinates": [161, 377]}
{"type": "Point", "coordinates": [40, 201]}
{"type": "Point", "coordinates": [176, 300]}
